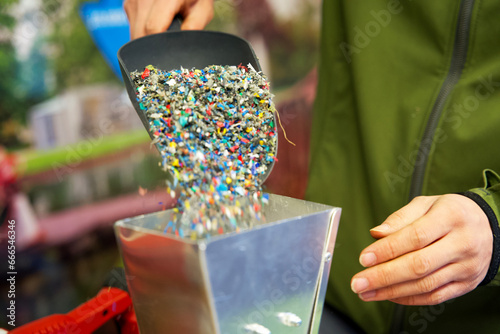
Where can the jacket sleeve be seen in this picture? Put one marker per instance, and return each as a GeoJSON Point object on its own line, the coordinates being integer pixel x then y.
{"type": "Point", "coordinates": [488, 198]}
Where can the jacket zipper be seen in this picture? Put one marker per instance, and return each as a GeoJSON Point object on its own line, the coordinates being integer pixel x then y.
{"type": "Point", "coordinates": [457, 64]}
{"type": "Point", "coordinates": [459, 57]}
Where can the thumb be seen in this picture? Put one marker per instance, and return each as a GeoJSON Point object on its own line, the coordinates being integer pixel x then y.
{"type": "Point", "coordinates": [414, 210]}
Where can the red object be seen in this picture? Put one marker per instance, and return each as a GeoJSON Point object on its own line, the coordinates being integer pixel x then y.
{"type": "Point", "coordinates": [256, 207]}
{"type": "Point", "coordinates": [128, 323]}
{"type": "Point", "coordinates": [86, 318]}
{"type": "Point", "coordinates": [7, 168]}
{"type": "Point", "coordinates": [242, 66]}
{"type": "Point", "coordinates": [145, 74]}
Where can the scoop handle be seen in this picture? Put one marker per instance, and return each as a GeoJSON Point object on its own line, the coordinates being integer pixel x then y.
{"type": "Point", "coordinates": [176, 23]}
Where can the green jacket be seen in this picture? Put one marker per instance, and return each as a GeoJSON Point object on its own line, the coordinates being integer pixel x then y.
{"type": "Point", "coordinates": [408, 104]}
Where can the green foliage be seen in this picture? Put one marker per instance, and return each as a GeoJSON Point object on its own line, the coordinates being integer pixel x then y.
{"type": "Point", "coordinates": [6, 20]}
{"type": "Point", "coordinates": [12, 105]}
{"type": "Point", "coordinates": [292, 58]}
{"type": "Point", "coordinates": [77, 60]}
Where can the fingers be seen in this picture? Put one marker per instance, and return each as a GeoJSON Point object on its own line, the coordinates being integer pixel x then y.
{"type": "Point", "coordinates": [443, 254]}
{"type": "Point", "coordinates": [438, 296]}
{"type": "Point", "coordinates": [138, 13]}
{"type": "Point", "coordinates": [426, 285]}
{"type": "Point", "coordinates": [423, 232]}
{"type": "Point", "coordinates": [161, 14]}
{"type": "Point", "coordinates": [420, 274]}
{"type": "Point", "coordinates": [155, 16]}
{"type": "Point", "coordinates": [404, 216]}
{"type": "Point", "coordinates": [408, 268]}
{"type": "Point", "coordinates": [198, 15]}
{"type": "Point", "coordinates": [130, 7]}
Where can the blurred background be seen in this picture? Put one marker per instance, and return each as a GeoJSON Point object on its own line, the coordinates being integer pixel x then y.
{"type": "Point", "coordinates": [74, 157]}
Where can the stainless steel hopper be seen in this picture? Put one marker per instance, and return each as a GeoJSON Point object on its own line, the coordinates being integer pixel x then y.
{"type": "Point", "coordinates": [269, 279]}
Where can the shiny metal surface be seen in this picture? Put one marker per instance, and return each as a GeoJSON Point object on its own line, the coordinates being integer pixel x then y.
{"type": "Point", "coordinates": [325, 270]}
{"type": "Point", "coordinates": [232, 282]}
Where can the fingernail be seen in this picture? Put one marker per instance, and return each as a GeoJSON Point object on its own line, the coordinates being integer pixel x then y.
{"type": "Point", "coordinates": [368, 259]}
{"type": "Point", "coordinates": [367, 295]}
{"type": "Point", "coordinates": [381, 228]}
{"type": "Point", "coordinates": [359, 284]}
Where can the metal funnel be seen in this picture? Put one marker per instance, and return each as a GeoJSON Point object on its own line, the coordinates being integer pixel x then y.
{"type": "Point", "coordinates": [269, 279]}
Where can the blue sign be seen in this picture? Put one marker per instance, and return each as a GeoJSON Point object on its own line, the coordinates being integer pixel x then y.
{"type": "Point", "coordinates": [107, 23]}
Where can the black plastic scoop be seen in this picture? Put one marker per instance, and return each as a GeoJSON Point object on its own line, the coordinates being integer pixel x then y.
{"type": "Point", "coordinates": [188, 49]}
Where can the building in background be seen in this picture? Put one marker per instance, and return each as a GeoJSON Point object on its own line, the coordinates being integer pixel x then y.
{"type": "Point", "coordinates": [81, 114]}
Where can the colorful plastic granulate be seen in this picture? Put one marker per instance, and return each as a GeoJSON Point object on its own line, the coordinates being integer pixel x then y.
{"type": "Point", "coordinates": [216, 132]}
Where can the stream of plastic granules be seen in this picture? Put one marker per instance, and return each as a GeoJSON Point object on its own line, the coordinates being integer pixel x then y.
{"type": "Point", "coordinates": [216, 133]}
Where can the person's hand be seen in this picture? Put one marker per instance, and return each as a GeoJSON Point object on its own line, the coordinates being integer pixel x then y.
{"type": "Point", "coordinates": [153, 16]}
{"type": "Point", "coordinates": [432, 250]}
